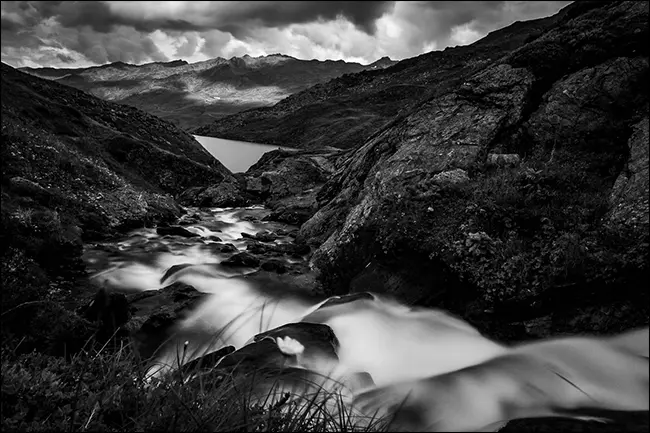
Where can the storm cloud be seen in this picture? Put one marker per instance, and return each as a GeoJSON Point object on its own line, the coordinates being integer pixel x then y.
{"type": "Point", "coordinates": [82, 33]}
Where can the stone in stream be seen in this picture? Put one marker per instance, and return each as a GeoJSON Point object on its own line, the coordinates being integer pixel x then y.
{"type": "Point", "coordinates": [274, 265]}
{"type": "Point", "coordinates": [242, 259]}
{"type": "Point", "coordinates": [154, 312]}
{"type": "Point", "coordinates": [176, 231]}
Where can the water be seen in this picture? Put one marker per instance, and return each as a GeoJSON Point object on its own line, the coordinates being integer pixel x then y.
{"type": "Point", "coordinates": [456, 378]}
{"type": "Point", "coordinates": [237, 156]}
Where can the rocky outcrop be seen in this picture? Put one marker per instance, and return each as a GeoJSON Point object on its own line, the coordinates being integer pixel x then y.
{"type": "Point", "coordinates": [224, 194]}
{"type": "Point", "coordinates": [629, 197]}
{"type": "Point", "coordinates": [155, 312]}
{"type": "Point", "coordinates": [490, 193]}
{"type": "Point", "coordinates": [287, 181]}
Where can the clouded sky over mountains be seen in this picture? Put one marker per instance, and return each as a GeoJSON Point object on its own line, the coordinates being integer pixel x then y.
{"type": "Point", "coordinates": [85, 33]}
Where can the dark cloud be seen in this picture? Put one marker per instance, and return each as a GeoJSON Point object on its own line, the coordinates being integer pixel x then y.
{"type": "Point", "coordinates": [234, 17]}
{"type": "Point", "coordinates": [434, 21]}
{"type": "Point", "coordinates": [62, 32]}
{"type": "Point", "coordinates": [65, 58]}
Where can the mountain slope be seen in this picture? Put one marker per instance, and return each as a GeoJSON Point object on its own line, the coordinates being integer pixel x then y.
{"type": "Point", "coordinates": [91, 165]}
{"type": "Point", "coordinates": [346, 111]}
{"type": "Point", "coordinates": [191, 95]}
{"type": "Point", "coordinates": [517, 188]}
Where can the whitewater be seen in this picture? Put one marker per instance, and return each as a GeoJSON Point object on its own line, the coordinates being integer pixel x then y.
{"type": "Point", "coordinates": [426, 369]}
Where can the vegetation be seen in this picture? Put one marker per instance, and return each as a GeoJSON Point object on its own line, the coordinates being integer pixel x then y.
{"type": "Point", "coordinates": [517, 233]}
{"type": "Point", "coordinates": [107, 390]}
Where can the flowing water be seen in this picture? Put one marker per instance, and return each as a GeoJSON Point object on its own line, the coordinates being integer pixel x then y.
{"type": "Point", "coordinates": [396, 344]}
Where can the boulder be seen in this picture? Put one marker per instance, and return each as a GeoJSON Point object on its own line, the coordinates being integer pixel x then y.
{"type": "Point", "coordinates": [225, 194]}
{"type": "Point", "coordinates": [155, 312]}
{"type": "Point", "coordinates": [274, 265]}
{"type": "Point", "coordinates": [176, 231]}
{"type": "Point", "coordinates": [451, 177]}
{"type": "Point", "coordinates": [242, 259]}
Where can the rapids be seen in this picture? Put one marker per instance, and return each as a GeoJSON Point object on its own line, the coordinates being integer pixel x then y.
{"type": "Point", "coordinates": [451, 376]}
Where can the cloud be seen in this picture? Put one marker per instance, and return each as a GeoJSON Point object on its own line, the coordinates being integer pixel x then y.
{"type": "Point", "coordinates": [82, 33]}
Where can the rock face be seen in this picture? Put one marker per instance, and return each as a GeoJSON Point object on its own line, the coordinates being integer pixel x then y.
{"type": "Point", "coordinates": [430, 209]}
{"type": "Point", "coordinates": [629, 197]}
{"type": "Point", "coordinates": [288, 181]}
{"type": "Point", "coordinates": [224, 194]}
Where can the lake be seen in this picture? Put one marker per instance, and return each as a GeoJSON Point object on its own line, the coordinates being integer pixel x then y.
{"type": "Point", "coordinates": [237, 156]}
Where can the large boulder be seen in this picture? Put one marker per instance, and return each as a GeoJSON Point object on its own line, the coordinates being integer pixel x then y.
{"type": "Point", "coordinates": [288, 182]}
{"type": "Point", "coordinates": [224, 194]}
{"type": "Point", "coordinates": [155, 312]}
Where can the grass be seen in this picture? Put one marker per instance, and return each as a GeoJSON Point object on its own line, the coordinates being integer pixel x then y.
{"type": "Point", "coordinates": [106, 389]}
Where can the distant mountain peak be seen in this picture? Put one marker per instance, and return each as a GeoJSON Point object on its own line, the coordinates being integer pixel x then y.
{"type": "Point", "coordinates": [384, 62]}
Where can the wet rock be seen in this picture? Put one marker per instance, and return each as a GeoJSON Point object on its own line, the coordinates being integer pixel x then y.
{"type": "Point", "coordinates": [276, 266]}
{"type": "Point", "coordinates": [155, 312]}
{"type": "Point", "coordinates": [290, 248]}
{"type": "Point", "coordinates": [265, 236]}
{"type": "Point", "coordinates": [176, 231]}
{"type": "Point", "coordinates": [214, 238]}
{"type": "Point", "coordinates": [207, 362]}
{"type": "Point", "coordinates": [243, 259]}
{"type": "Point", "coordinates": [228, 248]}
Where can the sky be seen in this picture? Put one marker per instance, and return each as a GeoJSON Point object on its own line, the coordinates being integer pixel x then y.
{"type": "Point", "coordinates": [68, 34]}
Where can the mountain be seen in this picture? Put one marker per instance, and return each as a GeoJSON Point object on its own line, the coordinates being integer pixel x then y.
{"type": "Point", "coordinates": [347, 110]}
{"type": "Point", "coordinates": [190, 95]}
{"type": "Point", "coordinates": [75, 167]}
{"type": "Point", "coordinates": [506, 181]}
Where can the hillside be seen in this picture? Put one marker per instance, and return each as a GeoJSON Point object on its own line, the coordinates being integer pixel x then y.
{"type": "Point", "coordinates": [515, 191]}
{"type": "Point", "coordinates": [347, 110]}
{"type": "Point", "coordinates": [191, 95]}
{"type": "Point", "coordinates": [77, 169]}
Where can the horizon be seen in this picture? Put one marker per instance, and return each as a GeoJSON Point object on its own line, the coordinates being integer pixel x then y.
{"type": "Point", "coordinates": [70, 35]}
{"type": "Point", "coordinates": [198, 61]}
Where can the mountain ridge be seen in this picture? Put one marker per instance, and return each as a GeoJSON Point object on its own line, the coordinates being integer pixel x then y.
{"type": "Point", "coordinates": [351, 107]}
{"type": "Point", "coordinates": [190, 94]}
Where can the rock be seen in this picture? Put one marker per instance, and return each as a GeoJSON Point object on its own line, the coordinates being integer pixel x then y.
{"type": "Point", "coordinates": [318, 340]}
{"type": "Point", "coordinates": [214, 238]}
{"type": "Point", "coordinates": [290, 248]}
{"type": "Point", "coordinates": [207, 362]}
{"type": "Point", "coordinates": [565, 101]}
{"type": "Point", "coordinates": [110, 310]}
{"type": "Point", "coordinates": [451, 177]}
{"type": "Point", "coordinates": [154, 313]}
{"type": "Point", "coordinates": [266, 236]}
{"type": "Point", "coordinates": [503, 160]}
{"type": "Point", "coordinates": [242, 259]}
{"type": "Point", "coordinates": [176, 231]}
{"type": "Point", "coordinates": [273, 265]}
{"type": "Point", "coordinates": [224, 194]}
{"type": "Point", "coordinates": [629, 196]}
{"type": "Point", "coordinates": [574, 114]}
{"type": "Point", "coordinates": [228, 248]}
